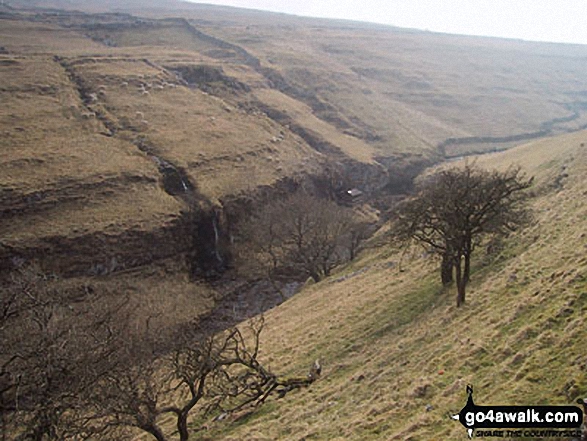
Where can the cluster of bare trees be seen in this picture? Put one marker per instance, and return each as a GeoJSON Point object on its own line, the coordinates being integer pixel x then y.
{"type": "Point", "coordinates": [456, 209]}
{"type": "Point", "coordinates": [71, 368]}
{"type": "Point", "coordinates": [302, 236]}
{"type": "Point", "coordinates": [51, 353]}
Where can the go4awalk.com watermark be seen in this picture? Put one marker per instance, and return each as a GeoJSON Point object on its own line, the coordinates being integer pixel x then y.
{"type": "Point", "coordinates": [562, 422]}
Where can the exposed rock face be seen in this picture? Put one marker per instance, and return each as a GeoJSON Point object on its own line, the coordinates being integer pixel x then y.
{"type": "Point", "coordinates": [208, 78]}
{"type": "Point", "coordinates": [98, 253]}
{"type": "Point", "coordinates": [122, 144]}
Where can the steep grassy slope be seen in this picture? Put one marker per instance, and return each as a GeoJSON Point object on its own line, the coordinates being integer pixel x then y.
{"type": "Point", "coordinates": [398, 90]}
{"type": "Point", "coordinates": [196, 132]}
{"type": "Point", "coordinates": [102, 148]}
{"type": "Point", "coordinates": [62, 176]}
{"type": "Point", "coordinates": [393, 342]}
{"type": "Point", "coordinates": [415, 89]}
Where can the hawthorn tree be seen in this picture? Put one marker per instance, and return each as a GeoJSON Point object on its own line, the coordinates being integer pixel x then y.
{"type": "Point", "coordinates": [455, 209]}
{"type": "Point", "coordinates": [218, 373]}
{"type": "Point", "coordinates": [54, 349]}
{"type": "Point", "coordinates": [73, 366]}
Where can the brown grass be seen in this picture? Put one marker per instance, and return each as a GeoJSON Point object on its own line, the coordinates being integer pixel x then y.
{"type": "Point", "coordinates": [392, 342]}
{"type": "Point", "coordinates": [51, 152]}
{"type": "Point", "coordinates": [416, 89]}
{"type": "Point", "coordinates": [383, 335]}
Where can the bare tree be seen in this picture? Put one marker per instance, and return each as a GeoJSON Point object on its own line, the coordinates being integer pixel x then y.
{"type": "Point", "coordinates": [301, 236]}
{"type": "Point", "coordinates": [456, 208]}
{"type": "Point", "coordinates": [358, 232]}
{"type": "Point", "coordinates": [219, 373]}
{"type": "Point", "coordinates": [75, 370]}
{"type": "Point", "coordinates": [52, 352]}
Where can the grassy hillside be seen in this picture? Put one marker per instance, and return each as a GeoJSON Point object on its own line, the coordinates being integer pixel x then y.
{"type": "Point", "coordinates": [415, 88]}
{"type": "Point", "coordinates": [114, 125]}
{"type": "Point", "coordinates": [117, 120]}
{"type": "Point", "coordinates": [393, 342]}
{"type": "Point", "coordinates": [398, 90]}
{"type": "Point", "coordinates": [101, 146]}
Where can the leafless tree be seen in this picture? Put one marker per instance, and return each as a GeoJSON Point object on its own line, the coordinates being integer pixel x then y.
{"type": "Point", "coordinates": [53, 350]}
{"type": "Point", "coordinates": [219, 373]}
{"type": "Point", "coordinates": [358, 232]}
{"type": "Point", "coordinates": [455, 209]}
{"type": "Point", "coordinates": [301, 236]}
{"type": "Point", "coordinates": [73, 370]}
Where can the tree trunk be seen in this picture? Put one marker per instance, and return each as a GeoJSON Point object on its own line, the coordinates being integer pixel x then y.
{"type": "Point", "coordinates": [446, 269]}
{"type": "Point", "coordinates": [467, 262]}
{"type": "Point", "coordinates": [461, 284]}
{"type": "Point", "coordinates": [155, 431]}
{"type": "Point", "coordinates": [182, 426]}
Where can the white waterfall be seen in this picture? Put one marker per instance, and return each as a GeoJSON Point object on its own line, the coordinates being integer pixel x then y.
{"type": "Point", "coordinates": [216, 239]}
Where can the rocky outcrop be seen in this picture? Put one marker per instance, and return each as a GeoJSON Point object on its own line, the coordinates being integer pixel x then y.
{"type": "Point", "coordinates": [98, 253]}
{"type": "Point", "coordinates": [210, 79]}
